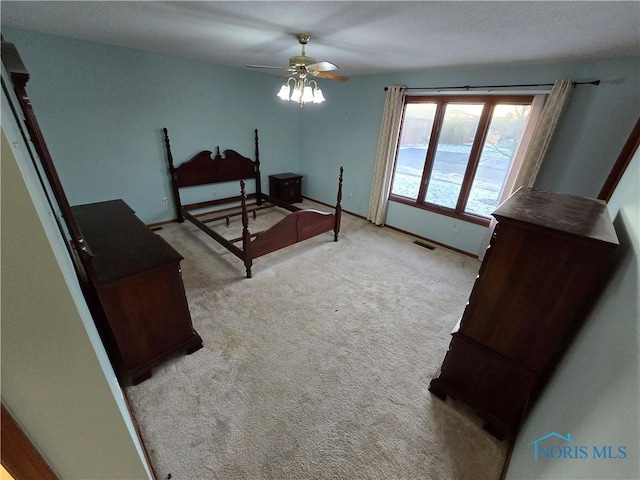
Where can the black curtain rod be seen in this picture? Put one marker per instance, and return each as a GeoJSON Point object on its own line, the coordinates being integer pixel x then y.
{"type": "Point", "coordinates": [467, 87]}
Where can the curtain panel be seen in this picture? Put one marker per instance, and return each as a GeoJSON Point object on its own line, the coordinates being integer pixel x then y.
{"type": "Point", "coordinates": [551, 113]}
{"type": "Point", "coordinates": [387, 144]}
{"type": "Point", "coordinates": [538, 146]}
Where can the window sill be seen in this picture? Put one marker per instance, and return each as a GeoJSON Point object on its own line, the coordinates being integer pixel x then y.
{"type": "Point", "coordinates": [478, 220]}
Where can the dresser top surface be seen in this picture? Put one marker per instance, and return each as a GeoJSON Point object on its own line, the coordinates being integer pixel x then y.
{"type": "Point", "coordinates": [121, 244]}
{"type": "Point", "coordinates": [569, 214]}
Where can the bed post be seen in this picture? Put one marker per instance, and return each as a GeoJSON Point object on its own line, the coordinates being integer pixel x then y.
{"type": "Point", "coordinates": [336, 228]}
{"type": "Point", "coordinates": [258, 181]}
{"type": "Point", "coordinates": [246, 236]}
{"type": "Point", "coordinates": [174, 178]}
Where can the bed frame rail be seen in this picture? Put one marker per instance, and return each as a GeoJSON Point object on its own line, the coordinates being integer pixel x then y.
{"type": "Point", "coordinates": [215, 235]}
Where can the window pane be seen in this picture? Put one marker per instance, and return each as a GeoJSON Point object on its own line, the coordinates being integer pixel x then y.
{"type": "Point", "coordinates": [452, 155]}
{"type": "Point", "coordinates": [412, 149]}
{"type": "Point", "coordinates": [503, 138]}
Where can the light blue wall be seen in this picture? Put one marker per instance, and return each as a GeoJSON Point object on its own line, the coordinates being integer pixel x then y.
{"type": "Point", "coordinates": [467, 237]}
{"type": "Point", "coordinates": [342, 132]}
{"type": "Point", "coordinates": [594, 393]}
{"type": "Point", "coordinates": [102, 110]}
{"type": "Point", "coordinates": [587, 142]}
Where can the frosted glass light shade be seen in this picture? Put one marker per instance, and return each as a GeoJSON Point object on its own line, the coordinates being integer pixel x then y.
{"type": "Point", "coordinates": [307, 96]}
{"type": "Point", "coordinates": [317, 96]}
{"type": "Point", "coordinates": [284, 92]}
{"type": "Point", "coordinates": [297, 93]}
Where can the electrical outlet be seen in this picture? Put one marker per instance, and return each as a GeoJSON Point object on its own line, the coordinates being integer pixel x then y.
{"type": "Point", "coordinates": [165, 201]}
{"type": "Point", "coordinates": [350, 194]}
{"type": "Point", "coordinates": [456, 228]}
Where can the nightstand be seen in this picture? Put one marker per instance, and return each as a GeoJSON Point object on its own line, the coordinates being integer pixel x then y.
{"type": "Point", "coordinates": [286, 187]}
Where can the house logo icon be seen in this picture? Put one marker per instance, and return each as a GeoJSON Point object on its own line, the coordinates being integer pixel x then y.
{"type": "Point", "coordinates": [554, 446]}
{"type": "Point", "coordinates": [537, 441]}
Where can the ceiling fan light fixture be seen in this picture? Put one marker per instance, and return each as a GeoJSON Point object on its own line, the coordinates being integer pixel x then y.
{"type": "Point", "coordinates": [303, 91]}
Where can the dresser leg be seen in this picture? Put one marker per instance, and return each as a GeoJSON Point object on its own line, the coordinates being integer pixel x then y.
{"type": "Point", "coordinates": [433, 388]}
{"type": "Point", "coordinates": [141, 377]}
{"type": "Point", "coordinates": [495, 430]}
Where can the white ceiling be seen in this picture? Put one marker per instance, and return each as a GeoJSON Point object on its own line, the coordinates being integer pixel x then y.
{"type": "Point", "coordinates": [361, 37]}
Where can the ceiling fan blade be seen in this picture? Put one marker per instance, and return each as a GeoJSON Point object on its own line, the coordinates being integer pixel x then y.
{"type": "Point", "coordinates": [267, 66]}
{"type": "Point", "coordinates": [331, 76]}
{"type": "Point", "coordinates": [290, 74]}
{"type": "Point", "coordinates": [321, 67]}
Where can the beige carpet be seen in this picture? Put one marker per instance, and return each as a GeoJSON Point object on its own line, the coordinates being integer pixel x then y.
{"type": "Point", "coordinates": [318, 366]}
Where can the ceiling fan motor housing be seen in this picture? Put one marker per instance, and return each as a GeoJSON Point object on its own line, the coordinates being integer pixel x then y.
{"type": "Point", "coordinates": [301, 60]}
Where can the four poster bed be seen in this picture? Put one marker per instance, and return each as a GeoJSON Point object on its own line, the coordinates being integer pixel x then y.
{"type": "Point", "coordinates": [204, 168]}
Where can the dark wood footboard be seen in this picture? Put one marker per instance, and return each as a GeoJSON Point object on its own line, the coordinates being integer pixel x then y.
{"type": "Point", "coordinates": [294, 228]}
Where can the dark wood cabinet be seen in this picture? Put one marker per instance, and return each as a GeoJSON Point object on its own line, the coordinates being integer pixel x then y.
{"type": "Point", "coordinates": [286, 187]}
{"type": "Point", "coordinates": [140, 305]}
{"type": "Point", "coordinates": [547, 254]}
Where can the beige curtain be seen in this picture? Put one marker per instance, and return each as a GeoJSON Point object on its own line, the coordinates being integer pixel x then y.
{"type": "Point", "coordinates": [387, 143]}
{"type": "Point", "coordinates": [553, 108]}
{"type": "Point", "coordinates": [538, 146]}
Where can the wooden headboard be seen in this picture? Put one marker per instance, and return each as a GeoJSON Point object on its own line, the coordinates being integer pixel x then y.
{"type": "Point", "coordinates": [206, 168]}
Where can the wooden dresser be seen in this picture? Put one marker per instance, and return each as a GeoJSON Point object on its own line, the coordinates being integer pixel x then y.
{"type": "Point", "coordinates": [139, 300]}
{"type": "Point", "coordinates": [286, 187]}
{"type": "Point", "coordinates": [547, 254]}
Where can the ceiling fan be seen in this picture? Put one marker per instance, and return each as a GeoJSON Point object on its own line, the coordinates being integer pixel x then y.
{"type": "Point", "coordinates": [302, 65]}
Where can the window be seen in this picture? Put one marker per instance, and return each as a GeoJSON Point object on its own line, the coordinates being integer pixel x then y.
{"type": "Point", "coordinates": [456, 153]}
